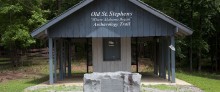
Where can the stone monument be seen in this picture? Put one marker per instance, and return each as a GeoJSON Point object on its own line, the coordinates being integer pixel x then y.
{"type": "Point", "coordinates": [112, 82]}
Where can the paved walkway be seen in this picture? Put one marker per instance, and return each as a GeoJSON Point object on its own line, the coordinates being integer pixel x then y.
{"type": "Point", "coordinates": [150, 79]}
{"type": "Point", "coordinates": [77, 80]}
{"type": "Point", "coordinates": [147, 79]}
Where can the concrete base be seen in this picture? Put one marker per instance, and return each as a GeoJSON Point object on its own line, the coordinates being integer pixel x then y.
{"type": "Point", "coordinates": [112, 82]}
{"type": "Point", "coordinates": [77, 80]}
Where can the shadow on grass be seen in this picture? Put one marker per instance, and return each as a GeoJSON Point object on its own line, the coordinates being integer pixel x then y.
{"type": "Point", "coordinates": [39, 80]}
{"type": "Point", "coordinates": [78, 73]}
{"type": "Point", "coordinates": [45, 78]}
{"type": "Point", "coordinates": [7, 65]}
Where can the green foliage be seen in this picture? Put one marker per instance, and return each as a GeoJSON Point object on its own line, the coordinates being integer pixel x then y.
{"type": "Point", "coordinates": [180, 43]}
{"type": "Point", "coordinates": [17, 34]}
{"type": "Point", "coordinates": [37, 18]}
{"type": "Point", "coordinates": [201, 16]}
{"type": "Point", "coordinates": [11, 8]}
{"type": "Point", "coordinates": [20, 17]}
{"type": "Point", "coordinates": [15, 29]}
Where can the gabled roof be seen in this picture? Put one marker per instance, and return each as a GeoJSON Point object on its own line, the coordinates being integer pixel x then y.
{"type": "Point", "coordinates": [40, 30]}
{"type": "Point", "coordinates": [182, 29]}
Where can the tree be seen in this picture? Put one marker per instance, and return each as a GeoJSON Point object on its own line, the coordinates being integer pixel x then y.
{"type": "Point", "coordinates": [17, 19]}
{"type": "Point", "coordinates": [200, 15]}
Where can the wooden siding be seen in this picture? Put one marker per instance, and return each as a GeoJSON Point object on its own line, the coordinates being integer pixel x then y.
{"type": "Point", "coordinates": [111, 66]}
{"type": "Point", "coordinates": [79, 24]}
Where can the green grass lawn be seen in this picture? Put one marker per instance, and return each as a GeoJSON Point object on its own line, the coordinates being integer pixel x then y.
{"type": "Point", "coordinates": [34, 74]}
{"type": "Point", "coordinates": [14, 85]}
{"type": "Point", "coordinates": [205, 81]}
{"type": "Point", "coordinates": [39, 70]}
{"type": "Point", "coordinates": [19, 85]}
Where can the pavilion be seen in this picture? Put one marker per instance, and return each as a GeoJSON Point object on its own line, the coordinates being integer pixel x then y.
{"type": "Point", "coordinates": [110, 26]}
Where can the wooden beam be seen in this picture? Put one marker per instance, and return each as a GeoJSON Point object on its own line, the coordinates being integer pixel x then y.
{"type": "Point", "coordinates": [51, 80]}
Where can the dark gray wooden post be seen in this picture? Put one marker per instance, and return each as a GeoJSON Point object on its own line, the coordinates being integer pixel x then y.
{"type": "Point", "coordinates": [61, 60]}
{"type": "Point", "coordinates": [55, 60]}
{"type": "Point", "coordinates": [136, 51]}
{"type": "Point", "coordinates": [164, 57]}
{"type": "Point", "coordinates": [173, 59]}
{"type": "Point", "coordinates": [160, 58]}
{"type": "Point", "coordinates": [155, 57]}
{"type": "Point", "coordinates": [51, 81]}
{"type": "Point", "coordinates": [64, 59]}
{"type": "Point", "coordinates": [87, 55]}
{"type": "Point", "coordinates": [168, 58]}
{"type": "Point", "coordinates": [69, 59]}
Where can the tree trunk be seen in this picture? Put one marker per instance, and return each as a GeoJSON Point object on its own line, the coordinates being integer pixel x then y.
{"type": "Point", "coordinates": [13, 57]}
{"type": "Point", "coordinates": [199, 49]}
{"type": "Point", "coordinates": [190, 55]}
{"type": "Point", "coordinates": [59, 5]}
{"type": "Point", "coordinates": [216, 54]}
{"type": "Point", "coordinates": [199, 60]}
{"type": "Point", "coordinates": [190, 52]}
{"type": "Point", "coordinates": [216, 65]}
{"type": "Point", "coordinates": [212, 61]}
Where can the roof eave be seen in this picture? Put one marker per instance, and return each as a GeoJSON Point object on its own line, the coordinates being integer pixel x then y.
{"type": "Point", "coordinates": [180, 32]}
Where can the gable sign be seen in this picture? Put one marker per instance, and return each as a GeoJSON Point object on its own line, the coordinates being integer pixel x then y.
{"type": "Point", "coordinates": [111, 19]}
